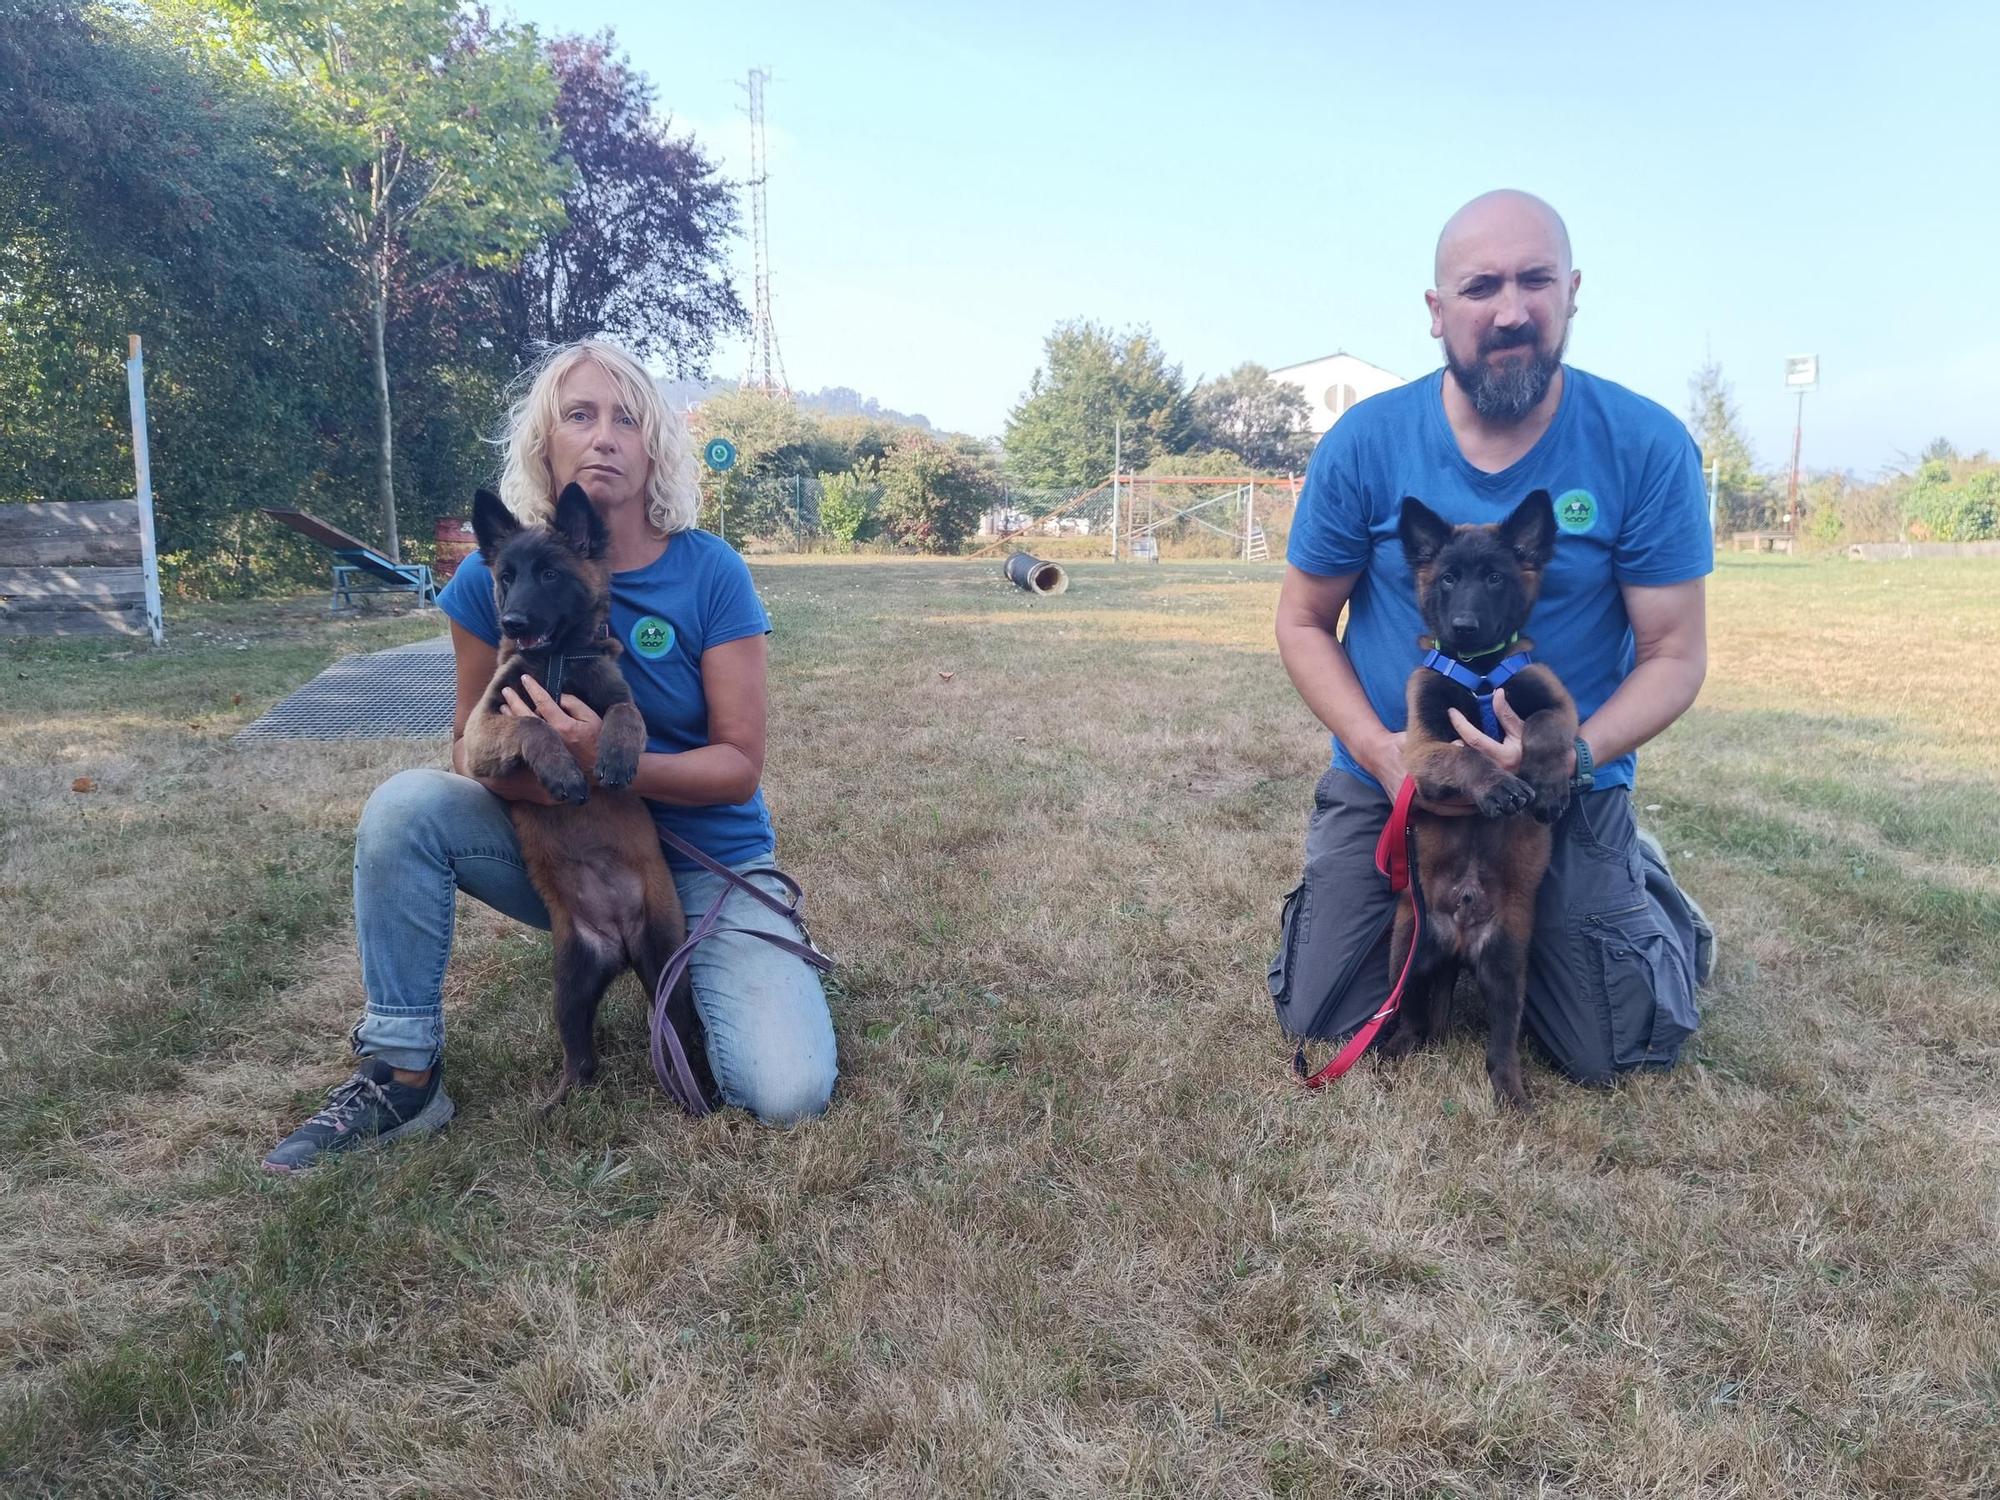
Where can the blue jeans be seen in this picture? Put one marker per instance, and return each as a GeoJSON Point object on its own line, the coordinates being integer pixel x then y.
{"type": "Point", "coordinates": [426, 835]}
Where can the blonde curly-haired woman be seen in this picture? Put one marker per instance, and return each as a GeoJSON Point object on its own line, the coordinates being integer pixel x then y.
{"type": "Point", "coordinates": [693, 629]}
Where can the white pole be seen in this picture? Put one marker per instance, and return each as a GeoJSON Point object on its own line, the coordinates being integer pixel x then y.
{"type": "Point", "coordinates": [142, 464]}
{"type": "Point", "coordinates": [1117, 461]}
{"type": "Point", "coordinates": [1249, 519]}
{"type": "Point", "coordinates": [1714, 499]}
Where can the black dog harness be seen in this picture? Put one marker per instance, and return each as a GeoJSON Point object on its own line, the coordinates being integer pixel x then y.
{"type": "Point", "coordinates": [552, 679]}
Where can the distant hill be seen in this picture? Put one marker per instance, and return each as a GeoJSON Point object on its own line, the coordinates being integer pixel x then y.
{"type": "Point", "coordinates": [832, 401]}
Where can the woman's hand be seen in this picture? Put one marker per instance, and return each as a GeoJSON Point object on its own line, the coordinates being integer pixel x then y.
{"type": "Point", "coordinates": [573, 719]}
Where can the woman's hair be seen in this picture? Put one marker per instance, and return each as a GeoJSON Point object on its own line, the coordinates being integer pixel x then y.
{"type": "Point", "coordinates": [672, 495]}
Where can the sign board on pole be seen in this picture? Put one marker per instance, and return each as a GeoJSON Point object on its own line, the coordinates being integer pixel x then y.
{"type": "Point", "coordinates": [720, 454]}
{"type": "Point", "coordinates": [1802, 373]}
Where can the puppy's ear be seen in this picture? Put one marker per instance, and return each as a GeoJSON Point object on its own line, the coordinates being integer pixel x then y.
{"type": "Point", "coordinates": [492, 523]}
{"type": "Point", "coordinates": [578, 523]}
{"type": "Point", "coordinates": [1531, 530]}
{"type": "Point", "coordinates": [1424, 532]}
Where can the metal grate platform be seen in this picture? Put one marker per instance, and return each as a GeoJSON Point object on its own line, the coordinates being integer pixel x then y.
{"type": "Point", "coordinates": [407, 693]}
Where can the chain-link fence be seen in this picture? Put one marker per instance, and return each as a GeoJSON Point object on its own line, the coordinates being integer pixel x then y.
{"type": "Point", "coordinates": [768, 513]}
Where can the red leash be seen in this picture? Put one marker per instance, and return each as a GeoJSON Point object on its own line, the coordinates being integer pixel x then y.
{"type": "Point", "coordinates": [1395, 857]}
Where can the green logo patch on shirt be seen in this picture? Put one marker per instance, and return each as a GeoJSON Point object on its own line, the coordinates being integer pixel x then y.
{"type": "Point", "coordinates": [1576, 511]}
{"type": "Point", "coordinates": [652, 637]}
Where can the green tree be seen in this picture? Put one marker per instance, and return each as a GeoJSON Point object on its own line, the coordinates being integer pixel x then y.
{"type": "Point", "coordinates": [1260, 420]}
{"type": "Point", "coordinates": [434, 151]}
{"type": "Point", "coordinates": [1746, 499]}
{"type": "Point", "coordinates": [1092, 383]}
{"type": "Point", "coordinates": [642, 253]}
{"type": "Point", "coordinates": [933, 493]}
{"type": "Point", "coordinates": [141, 192]}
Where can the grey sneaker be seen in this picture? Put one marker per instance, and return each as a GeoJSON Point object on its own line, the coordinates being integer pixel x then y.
{"type": "Point", "coordinates": [1704, 930]}
{"type": "Point", "coordinates": [370, 1109]}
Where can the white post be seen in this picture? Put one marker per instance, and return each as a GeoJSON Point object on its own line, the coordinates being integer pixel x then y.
{"type": "Point", "coordinates": [1117, 461]}
{"type": "Point", "coordinates": [142, 463]}
{"type": "Point", "coordinates": [1714, 500]}
{"type": "Point", "coordinates": [1249, 519]}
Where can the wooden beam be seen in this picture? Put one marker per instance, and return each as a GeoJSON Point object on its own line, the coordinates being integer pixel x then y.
{"type": "Point", "coordinates": [71, 587]}
{"type": "Point", "coordinates": [56, 518]}
{"type": "Point", "coordinates": [130, 621]}
{"type": "Point", "coordinates": [72, 549]}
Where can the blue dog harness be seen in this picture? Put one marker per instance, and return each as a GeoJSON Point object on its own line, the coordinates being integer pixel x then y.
{"type": "Point", "coordinates": [1481, 687]}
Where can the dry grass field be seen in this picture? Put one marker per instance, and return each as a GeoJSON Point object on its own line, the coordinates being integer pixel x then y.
{"type": "Point", "coordinates": [1068, 1229]}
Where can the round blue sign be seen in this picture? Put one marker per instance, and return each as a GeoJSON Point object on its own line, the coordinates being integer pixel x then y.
{"type": "Point", "coordinates": [720, 453]}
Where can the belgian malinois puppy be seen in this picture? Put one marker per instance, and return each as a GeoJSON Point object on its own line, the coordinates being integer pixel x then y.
{"type": "Point", "coordinates": [594, 857]}
{"type": "Point", "coordinates": [1479, 875]}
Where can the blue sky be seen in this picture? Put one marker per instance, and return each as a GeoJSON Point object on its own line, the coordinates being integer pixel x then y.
{"type": "Point", "coordinates": [1266, 182]}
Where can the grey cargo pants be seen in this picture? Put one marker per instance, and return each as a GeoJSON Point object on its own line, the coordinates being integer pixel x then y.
{"type": "Point", "coordinates": [1611, 977]}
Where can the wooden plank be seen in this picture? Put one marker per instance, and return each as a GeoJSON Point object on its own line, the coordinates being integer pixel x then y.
{"type": "Point", "coordinates": [72, 586]}
{"type": "Point", "coordinates": [75, 621]}
{"type": "Point", "coordinates": [88, 548]}
{"type": "Point", "coordinates": [305, 524]}
{"type": "Point", "coordinates": [60, 602]}
{"type": "Point", "coordinates": [66, 517]}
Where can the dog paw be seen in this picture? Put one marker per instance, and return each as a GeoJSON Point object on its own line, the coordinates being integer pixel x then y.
{"type": "Point", "coordinates": [1400, 1042]}
{"type": "Point", "coordinates": [568, 1082]}
{"type": "Point", "coordinates": [566, 785]}
{"type": "Point", "coordinates": [1505, 797]}
{"type": "Point", "coordinates": [615, 769]}
{"type": "Point", "coordinates": [1515, 1099]}
{"type": "Point", "coordinates": [1508, 1090]}
{"type": "Point", "coordinates": [1551, 801]}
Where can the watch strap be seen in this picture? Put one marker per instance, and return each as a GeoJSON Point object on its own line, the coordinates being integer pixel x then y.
{"type": "Point", "coordinates": [1585, 777]}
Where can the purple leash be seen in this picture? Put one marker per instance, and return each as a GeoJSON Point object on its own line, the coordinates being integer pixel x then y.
{"type": "Point", "coordinates": [670, 1060]}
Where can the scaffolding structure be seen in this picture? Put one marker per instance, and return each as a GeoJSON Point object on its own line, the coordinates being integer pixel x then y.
{"type": "Point", "coordinates": [1133, 512]}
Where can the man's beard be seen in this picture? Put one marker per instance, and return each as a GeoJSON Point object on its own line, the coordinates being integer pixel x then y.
{"type": "Point", "coordinates": [1506, 393]}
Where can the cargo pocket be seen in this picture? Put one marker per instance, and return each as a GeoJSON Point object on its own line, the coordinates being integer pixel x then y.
{"type": "Point", "coordinates": [1283, 965]}
{"type": "Point", "coordinates": [1647, 990]}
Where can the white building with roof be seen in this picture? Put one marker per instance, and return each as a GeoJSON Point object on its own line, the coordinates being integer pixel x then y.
{"type": "Point", "coordinates": [1334, 383]}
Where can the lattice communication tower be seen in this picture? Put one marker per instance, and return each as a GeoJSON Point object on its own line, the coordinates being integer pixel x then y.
{"type": "Point", "coordinates": [766, 369]}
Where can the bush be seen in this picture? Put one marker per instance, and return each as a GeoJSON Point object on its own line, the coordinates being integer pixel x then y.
{"type": "Point", "coordinates": [847, 506]}
{"type": "Point", "coordinates": [1947, 509]}
{"type": "Point", "coordinates": [932, 493]}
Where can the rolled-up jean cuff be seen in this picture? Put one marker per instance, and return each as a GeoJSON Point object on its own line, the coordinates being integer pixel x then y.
{"type": "Point", "coordinates": [409, 1042]}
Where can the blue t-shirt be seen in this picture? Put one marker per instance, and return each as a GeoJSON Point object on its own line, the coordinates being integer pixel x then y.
{"type": "Point", "coordinates": [1630, 508]}
{"type": "Point", "coordinates": [695, 595]}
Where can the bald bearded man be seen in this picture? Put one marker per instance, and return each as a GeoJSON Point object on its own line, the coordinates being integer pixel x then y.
{"type": "Point", "coordinates": [1619, 949]}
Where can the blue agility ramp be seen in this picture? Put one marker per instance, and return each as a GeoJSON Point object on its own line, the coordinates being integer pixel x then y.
{"type": "Point", "coordinates": [354, 558]}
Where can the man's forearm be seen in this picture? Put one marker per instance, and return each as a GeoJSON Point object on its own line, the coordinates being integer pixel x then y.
{"type": "Point", "coordinates": [1656, 693]}
{"type": "Point", "coordinates": [1324, 677]}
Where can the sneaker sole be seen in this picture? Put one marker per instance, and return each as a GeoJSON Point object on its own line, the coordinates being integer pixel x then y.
{"type": "Point", "coordinates": [431, 1119]}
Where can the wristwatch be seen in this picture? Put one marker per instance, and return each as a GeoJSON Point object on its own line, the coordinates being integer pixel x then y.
{"type": "Point", "coordinates": [1585, 776]}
